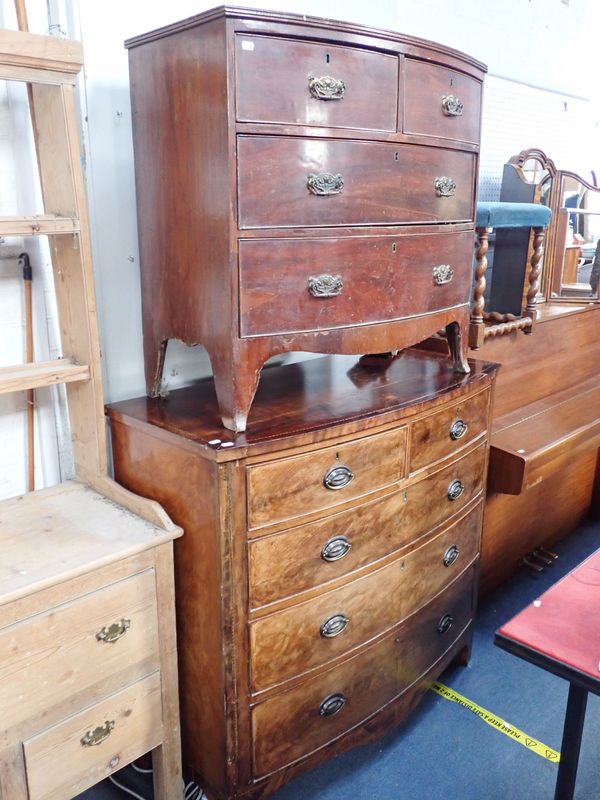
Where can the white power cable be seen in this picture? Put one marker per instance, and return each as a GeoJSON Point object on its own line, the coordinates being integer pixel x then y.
{"type": "Point", "coordinates": [191, 790]}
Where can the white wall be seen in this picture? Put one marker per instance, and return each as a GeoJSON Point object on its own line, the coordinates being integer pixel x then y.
{"type": "Point", "coordinates": [542, 76]}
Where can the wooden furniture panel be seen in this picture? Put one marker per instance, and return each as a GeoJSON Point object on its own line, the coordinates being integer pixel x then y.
{"type": "Point", "coordinates": [366, 683]}
{"type": "Point", "coordinates": [252, 599]}
{"type": "Point", "coordinates": [290, 487]}
{"type": "Point", "coordinates": [73, 646]}
{"type": "Point", "coordinates": [238, 168]}
{"type": "Point", "coordinates": [77, 753]}
{"type": "Point", "coordinates": [440, 102]}
{"type": "Point", "coordinates": [289, 643]}
{"type": "Point", "coordinates": [373, 183]}
{"type": "Point", "coordinates": [447, 432]}
{"type": "Point", "coordinates": [273, 79]}
{"type": "Point", "coordinates": [282, 280]}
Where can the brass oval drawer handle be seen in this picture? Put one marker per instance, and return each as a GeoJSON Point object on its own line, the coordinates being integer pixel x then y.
{"type": "Point", "coordinates": [450, 555]}
{"type": "Point", "coordinates": [442, 274]}
{"type": "Point", "coordinates": [334, 625]}
{"type": "Point", "coordinates": [323, 183]}
{"type": "Point", "coordinates": [326, 87]}
{"type": "Point", "coordinates": [458, 429]}
{"type": "Point", "coordinates": [455, 489]}
{"type": "Point", "coordinates": [325, 285]}
{"type": "Point", "coordinates": [98, 735]}
{"type": "Point", "coordinates": [445, 623]}
{"type": "Point", "coordinates": [335, 548]}
{"type": "Point", "coordinates": [113, 632]}
{"type": "Point", "coordinates": [445, 187]}
{"type": "Point", "coordinates": [332, 704]}
{"type": "Point", "coordinates": [452, 106]}
{"type": "Point", "coordinates": [338, 477]}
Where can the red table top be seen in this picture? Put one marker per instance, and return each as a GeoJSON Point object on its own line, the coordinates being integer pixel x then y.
{"type": "Point", "coordinates": [564, 623]}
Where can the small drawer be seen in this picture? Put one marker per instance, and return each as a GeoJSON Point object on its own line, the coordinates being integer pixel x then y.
{"type": "Point", "coordinates": [447, 432]}
{"type": "Point", "coordinates": [294, 182]}
{"type": "Point", "coordinates": [441, 102]}
{"type": "Point", "coordinates": [333, 702]}
{"type": "Point", "coordinates": [83, 749]}
{"type": "Point", "coordinates": [306, 636]}
{"type": "Point", "coordinates": [300, 558]}
{"type": "Point", "coordinates": [290, 285]}
{"type": "Point", "coordinates": [290, 487]}
{"type": "Point", "coordinates": [296, 82]}
{"type": "Point", "coordinates": [49, 657]}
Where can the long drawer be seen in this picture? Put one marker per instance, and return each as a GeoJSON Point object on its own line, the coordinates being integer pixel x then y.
{"type": "Point", "coordinates": [284, 564]}
{"type": "Point", "coordinates": [288, 643]}
{"type": "Point", "coordinates": [85, 748]}
{"type": "Point", "coordinates": [298, 82]}
{"type": "Point", "coordinates": [289, 487]}
{"type": "Point", "coordinates": [289, 285]}
{"type": "Point", "coordinates": [295, 182]}
{"type": "Point", "coordinates": [47, 658]}
{"type": "Point", "coordinates": [326, 706]}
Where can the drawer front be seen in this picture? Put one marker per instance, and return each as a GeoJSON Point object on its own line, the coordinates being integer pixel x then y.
{"type": "Point", "coordinates": [83, 749]}
{"type": "Point", "coordinates": [364, 683]}
{"type": "Point", "coordinates": [448, 431]}
{"type": "Point", "coordinates": [303, 83]}
{"type": "Point", "coordinates": [283, 564]}
{"type": "Point", "coordinates": [306, 636]}
{"type": "Point", "coordinates": [363, 183]}
{"type": "Point", "coordinates": [47, 658]}
{"type": "Point", "coordinates": [291, 285]}
{"type": "Point", "coordinates": [322, 479]}
{"type": "Point", "coordinates": [441, 102]}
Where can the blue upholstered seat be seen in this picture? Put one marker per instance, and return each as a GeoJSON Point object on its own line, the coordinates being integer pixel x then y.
{"type": "Point", "coordinates": [512, 215]}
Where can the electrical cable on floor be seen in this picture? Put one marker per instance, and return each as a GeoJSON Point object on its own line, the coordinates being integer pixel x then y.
{"type": "Point", "coordinates": [191, 790]}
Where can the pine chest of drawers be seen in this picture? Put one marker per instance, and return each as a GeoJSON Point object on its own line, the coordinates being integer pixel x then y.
{"type": "Point", "coordinates": [302, 184]}
{"type": "Point", "coordinates": [329, 567]}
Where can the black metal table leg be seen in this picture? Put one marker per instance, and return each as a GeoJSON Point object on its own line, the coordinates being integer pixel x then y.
{"type": "Point", "coordinates": [571, 742]}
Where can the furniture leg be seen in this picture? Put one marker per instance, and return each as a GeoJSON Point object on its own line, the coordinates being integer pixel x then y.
{"type": "Point", "coordinates": [571, 743]}
{"type": "Point", "coordinates": [13, 783]}
{"type": "Point", "coordinates": [477, 325]}
{"type": "Point", "coordinates": [236, 386]}
{"type": "Point", "coordinates": [155, 351]}
{"type": "Point", "coordinates": [457, 347]}
{"type": "Point", "coordinates": [534, 277]}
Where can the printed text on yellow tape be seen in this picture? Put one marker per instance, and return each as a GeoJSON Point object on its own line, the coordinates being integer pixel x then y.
{"type": "Point", "coordinates": [499, 724]}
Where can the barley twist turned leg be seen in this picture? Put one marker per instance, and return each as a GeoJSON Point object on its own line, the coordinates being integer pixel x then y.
{"type": "Point", "coordinates": [477, 325]}
{"type": "Point", "coordinates": [534, 276]}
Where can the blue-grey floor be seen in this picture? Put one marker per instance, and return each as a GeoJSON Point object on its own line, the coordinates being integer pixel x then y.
{"type": "Point", "coordinates": [445, 752]}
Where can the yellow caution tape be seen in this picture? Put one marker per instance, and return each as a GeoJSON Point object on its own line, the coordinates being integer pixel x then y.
{"type": "Point", "coordinates": [499, 724]}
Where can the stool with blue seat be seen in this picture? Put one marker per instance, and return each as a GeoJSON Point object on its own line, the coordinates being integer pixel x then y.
{"type": "Point", "coordinates": [491, 216]}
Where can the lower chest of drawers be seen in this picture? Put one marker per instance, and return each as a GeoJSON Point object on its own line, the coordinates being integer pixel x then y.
{"type": "Point", "coordinates": [323, 578]}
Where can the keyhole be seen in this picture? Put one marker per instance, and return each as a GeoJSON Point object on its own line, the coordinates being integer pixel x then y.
{"type": "Point", "coordinates": [396, 156]}
{"type": "Point", "coordinates": [451, 82]}
{"type": "Point", "coordinates": [394, 247]}
{"type": "Point", "coordinates": [327, 57]}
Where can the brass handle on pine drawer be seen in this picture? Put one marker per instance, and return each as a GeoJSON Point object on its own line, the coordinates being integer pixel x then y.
{"type": "Point", "coordinates": [334, 625]}
{"type": "Point", "coordinates": [450, 555]}
{"type": "Point", "coordinates": [326, 87]}
{"type": "Point", "coordinates": [458, 429]}
{"type": "Point", "coordinates": [455, 489]}
{"type": "Point", "coordinates": [324, 183]}
{"type": "Point", "coordinates": [338, 477]}
{"type": "Point", "coordinates": [445, 623]}
{"type": "Point", "coordinates": [445, 187]}
{"type": "Point", "coordinates": [335, 548]}
{"type": "Point", "coordinates": [452, 106]}
{"type": "Point", "coordinates": [325, 285]}
{"type": "Point", "coordinates": [442, 274]}
{"type": "Point", "coordinates": [98, 735]}
{"type": "Point", "coordinates": [332, 704]}
{"type": "Point", "coordinates": [113, 632]}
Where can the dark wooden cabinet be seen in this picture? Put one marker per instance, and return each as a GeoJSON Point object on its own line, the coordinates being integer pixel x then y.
{"type": "Point", "coordinates": [329, 565]}
{"type": "Point", "coordinates": [302, 184]}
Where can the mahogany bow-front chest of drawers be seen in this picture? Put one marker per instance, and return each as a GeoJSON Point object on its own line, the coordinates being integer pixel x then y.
{"type": "Point", "coordinates": [302, 184]}
{"type": "Point", "coordinates": [329, 564]}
